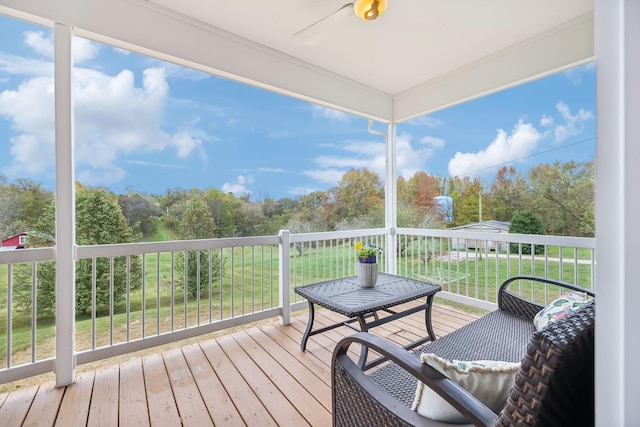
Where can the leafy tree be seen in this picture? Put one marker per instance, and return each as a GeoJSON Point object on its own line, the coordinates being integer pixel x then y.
{"type": "Point", "coordinates": [140, 212]}
{"type": "Point", "coordinates": [226, 211]}
{"type": "Point", "coordinates": [507, 194]}
{"type": "Point", "coordinates": [99, 220]}
{"type": "Point", "coordinates": [10, 222]}
{"type": "Point", "coordinates": [197, 223]}
{"type": "Point", "coordinates": [526, 223]}
{"type": "Point", "coordinates": [423, 188]}
{"type": "Point", "coordinates": [466, 201]}
{"type": "Point", "coordinates": [359, 192]}
{"type": "Point", "coordinates": [22, 203]}
{"type": "Point", "coordinates": [564, 197]}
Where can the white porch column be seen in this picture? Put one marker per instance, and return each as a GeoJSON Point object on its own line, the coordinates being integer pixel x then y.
{"type": "Point", "coordinates": [285, 283]}
{"type": "Point", "coordinates": [391, 198]}
{"type": "Point", "coordinates": [617, 49]}
{"type": "Point", "coordinates": [65, 210]}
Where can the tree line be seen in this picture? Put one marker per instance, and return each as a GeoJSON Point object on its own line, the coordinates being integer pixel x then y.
{"type": "Point", "coordinates": [560, 194]}
{"type": "Point", "coordinates": [558, 198]}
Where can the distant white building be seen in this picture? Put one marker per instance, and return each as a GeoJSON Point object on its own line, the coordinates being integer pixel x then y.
{"type": "Point", "coordinates": [490, 226]}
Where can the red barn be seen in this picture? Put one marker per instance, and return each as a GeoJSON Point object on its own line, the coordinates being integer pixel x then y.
{"type": "Point", "coordinates": [15, 242]}
{"type": "Point", "coordinates": [20, 240]}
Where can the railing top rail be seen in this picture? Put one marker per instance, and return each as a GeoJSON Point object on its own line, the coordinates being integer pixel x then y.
{"type": "Point", "coordinates": [27, 255]}
{"type": "Point", "coordinates": [578, 242]}
{"type": "Point", "coordinates": [345, 234]}
{"type": "Point", "coordinates": [123, 249]}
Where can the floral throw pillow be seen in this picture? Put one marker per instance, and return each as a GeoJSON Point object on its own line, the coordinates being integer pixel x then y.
{"type": "Point", "coordinates": [488, 380]}
{"type": "Point", "coordinates": [558, 309]}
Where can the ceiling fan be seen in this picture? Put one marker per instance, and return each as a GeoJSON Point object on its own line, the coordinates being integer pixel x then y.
{"type": "Point", "coordinates": [368, 10]}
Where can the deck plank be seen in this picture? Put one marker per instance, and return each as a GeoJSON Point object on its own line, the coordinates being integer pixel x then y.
{"type": "Point", "coordinates": [288, 385]}
{"type": "Point", "coordinates": [310, 360]}
{"type": "Point", "coordinates": [282, 411]}
{"type": "Point", "coordinates": [45, 406]}
{"type": "Point", "coordinates": [16, 406]}
{"type": "Point", "coordinates": [103, 410]}
{"type": "Point", "coordinates": [298, 369]}
{"type": "Point", "coordinates": [133, 396]}
{"type": "Point", "coordinates": [218, 402]}
{"type": "Point", "coordinates": [74, 408]}
{"type": "Point", "coordinates": [251, 409]}
{"type": "Point", "coordinates": [193, 411]}
{"type": "Point", "coordinates": [253, 376]}
{"type": "Point", "coordinates": [162, 406]}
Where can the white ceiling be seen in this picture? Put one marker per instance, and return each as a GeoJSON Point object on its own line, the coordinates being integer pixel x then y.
{"type": "Point", "coordinates": [415, 41]}
{"type": "Point", "coordinates": [420, 56]}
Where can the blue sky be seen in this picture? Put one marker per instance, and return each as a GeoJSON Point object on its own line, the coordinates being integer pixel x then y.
{"type": "Point", "coordinates": [151, 125]}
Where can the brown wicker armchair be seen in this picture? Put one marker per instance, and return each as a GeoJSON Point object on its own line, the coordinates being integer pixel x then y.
{"type": "Point", "coordinates": [554, 386]}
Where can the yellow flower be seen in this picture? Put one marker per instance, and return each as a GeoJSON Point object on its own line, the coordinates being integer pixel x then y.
{"type": "Point", "coordinates": [363, 251]}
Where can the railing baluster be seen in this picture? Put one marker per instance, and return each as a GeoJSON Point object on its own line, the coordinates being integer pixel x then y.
{"type": "Point", "coordinates": [157, 293]}
{"type": "Point", "coordinates": [94, 268]}
{"type": "Point", "coordinates": [198, 278]}
{"type": "Point", "coordinates": [111, 304]}
{"type": "Point", "coordinates": [185, 288]}
{"type": "Point", "coordinates": [128, 298]}
{"type": "Point", "coordinates": [9, 313]}
{"type": "Point", "coordinates": [173, 291]}
{"type": "Point", "coordinates": [34, 311]}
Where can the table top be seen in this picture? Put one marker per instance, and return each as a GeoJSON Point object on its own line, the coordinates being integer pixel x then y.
{"type": "Point", "coordinates": [347, 297]}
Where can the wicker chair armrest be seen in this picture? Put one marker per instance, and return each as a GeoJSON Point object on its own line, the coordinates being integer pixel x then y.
{"type": "Point", "coordinates": [474, 410]}
{"type": "Point", "coordinates": [523, 307]}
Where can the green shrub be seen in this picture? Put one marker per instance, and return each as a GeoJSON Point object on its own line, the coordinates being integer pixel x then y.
{"type": "Point", "coordinates": [526, 223]}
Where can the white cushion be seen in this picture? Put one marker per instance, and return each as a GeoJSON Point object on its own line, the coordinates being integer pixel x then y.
{"type": "Point", "coordinates": [558, 308]}
{"type": "Point", "coordinates": [489, 381]}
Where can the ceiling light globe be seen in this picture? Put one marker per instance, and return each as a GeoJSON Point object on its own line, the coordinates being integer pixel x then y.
{"type": "Point", "coordinates": [369, 9]}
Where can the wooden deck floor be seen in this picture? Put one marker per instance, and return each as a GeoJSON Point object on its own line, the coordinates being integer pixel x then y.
{"type": "Point", "coordinates": [256, 376]}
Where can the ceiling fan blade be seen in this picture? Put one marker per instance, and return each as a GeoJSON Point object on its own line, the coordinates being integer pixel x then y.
{"type": "Point", "coordinates": [312, 34]}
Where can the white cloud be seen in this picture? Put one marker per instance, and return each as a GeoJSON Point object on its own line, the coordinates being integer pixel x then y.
{"type": "Point", "coordinates": [301, 191]}
{"type": "Point", "coordinates": [39, 43]}
{"type": "Point", "coordinates": [83, 49]}
{"type": "Point", "coordinates": [575, 74]}
{"type": "Point", "coordinates": [573, 124]}
{"type": "Point", "coordinates": [179, 72]}
{"type": "Point", "coordinates": [371, 155]}
{"type": "Point", "coordinates": [271, 170]}
{"type": "Point", "coordinates": [546, 121]}
{"type": "Point", "coordinates": [91, 176]}
{"type": "Point", "coordinates": [24, 67]}
{"type": "Point", "coordinates": [154, 164]}
{"type": "Point", "coordinates": [327, 176]}
{"type": "Point", "coordinates": [425, 121]}
{"type": "Point", "coordinates": [521, 142]}
{"type": "Point", "coordinates": [432, 141]}
{"type": "Point", "coordinates": [319, 111]}
{"type": "Point", "coordinates": [238, 188]}
{"type": "Point", "coordinates": [113, 118]}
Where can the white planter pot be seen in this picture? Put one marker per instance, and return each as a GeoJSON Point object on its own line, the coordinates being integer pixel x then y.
{"type": "Point", "coordinates": [367, 274]}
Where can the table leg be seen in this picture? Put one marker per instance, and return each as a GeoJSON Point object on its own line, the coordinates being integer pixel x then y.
{"type": "Point", "coordinates": [364, 351]}
{"type": "Point", "coordinates": [427, 318]}
{"type": "Point", "coordinates": [305, 337]}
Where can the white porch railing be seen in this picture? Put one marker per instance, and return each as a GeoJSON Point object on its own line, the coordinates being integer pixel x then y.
{"type": "Point", "coordinates": [240, 280]}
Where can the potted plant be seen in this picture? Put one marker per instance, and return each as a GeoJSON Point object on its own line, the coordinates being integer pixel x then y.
{"type": "Point", "coordinates": [367, 266]}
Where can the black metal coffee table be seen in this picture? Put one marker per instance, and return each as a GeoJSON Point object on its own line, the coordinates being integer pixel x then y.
{"type": "Point", "coordinates": [347, 297]}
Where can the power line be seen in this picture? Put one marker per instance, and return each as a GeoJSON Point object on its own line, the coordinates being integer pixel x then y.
{"type": "Point", "coordinates": [528, 157]}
